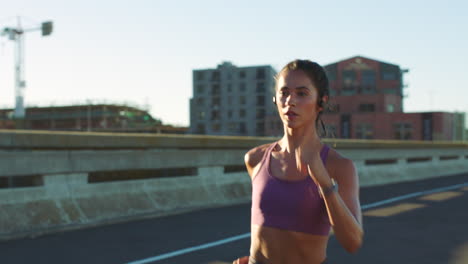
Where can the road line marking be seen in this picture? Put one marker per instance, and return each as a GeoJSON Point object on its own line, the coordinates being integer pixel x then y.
{"type": "Point", "coordinates": [394, 209]}
{"type": "Point", "coordinates": [191, 249]}
{"type": "Point", "coordinates": [246, 235]}
{"type": "Point", "coordinates": [412, 195]}
{"type": "Point", "coordinates": [437, 197]}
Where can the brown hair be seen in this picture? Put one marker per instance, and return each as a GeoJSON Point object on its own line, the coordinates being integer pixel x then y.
{"type": "Point", "coordinates": [317, 75]}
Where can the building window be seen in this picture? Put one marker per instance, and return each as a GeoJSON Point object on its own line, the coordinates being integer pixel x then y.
{"type": "Point", "coordinates": [364, 131]}
{"type": "Point", "coordinates": [216, 127]}
{"type": "Point", "coordinates": [200, 129]}
{"type": "Point", "coordinates": [242, 113]}
{"type": "Point", "coordinates": [215, 115]}
{"type": "Point", "coordinates": [389, 72]}
{"type": "Point", "coordinates": [242, 128]}
{"type": "Point", "coordinates": [242, 100]}
{"type": "Point", "coordinates": [261, 87]}
{"type": "Point", "coordinates": [242, 87]}
{"type": "Point", "coordinates": [260, 113]}
{"type": "Point", "coordinates": [201, 115]}
{"type": "Point", "coordinates": [388, 76]}
{"type": "Point", "coordinates": [260, 129]}
{"type": "Point", "coordinates": [200, 88]}
{"type": "Point", "coordinates": [261, 74]}
{"type": "Point", "coordinates": [215, 90]}
{"type": "Point", "coordinates": [260, 100]}
{"type": "Point", "coordinates": [216, 101]}
{"type": "Point", "coordinates": [368, 90]}
{"type": "Point", "coordinates": [200, 101]}
{"type": "Point", "coordinates": [242, 74]}
{"type": "Point", "coordinates": [229, 87]}
{"type": "Point", "coordinates": [349, 82]}
{"type": "Point", "coordinates": [199, 75]}
{"type": "Point", "coordinates": [349, 90]}
{"type": "Point", "coordinates": [232, 127]}
{"type": "Point", "coordinates": [230, 114]}
{"type": "Point", "coordinates": [390, 108]}
{"type": "Point", "coordinates": [349, 77]}
{"type": "Point", "coordinates": [368, 77]}
{"type": "Point", "coordinates": [368, 81]}
{"type": "Point", "coordinates": [403, 131]}
{"type": "Point", "coordinates": [216, 76]}
{"type": "Point", "coordinates": [390, 91]}
{"type": "Point", "coordinates": [367, 108]}
{"type": "Point", "coordinates": [229, 100]}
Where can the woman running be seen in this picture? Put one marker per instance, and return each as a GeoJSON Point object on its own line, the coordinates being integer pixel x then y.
{"type": "Point", "coordinates": [295, 194]}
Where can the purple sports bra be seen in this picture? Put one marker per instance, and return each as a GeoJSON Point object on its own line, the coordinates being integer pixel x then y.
{"type": "Point", "coordinates": [290, 205]}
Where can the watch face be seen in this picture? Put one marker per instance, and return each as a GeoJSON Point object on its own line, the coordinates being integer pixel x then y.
{"type": "Point", "coordinates": [335, 185]}
{"type": "Point", "coordinates": [332, 188]}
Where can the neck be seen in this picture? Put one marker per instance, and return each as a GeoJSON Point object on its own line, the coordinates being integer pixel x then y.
{"type": "Point", "coordinates": [294, 137]}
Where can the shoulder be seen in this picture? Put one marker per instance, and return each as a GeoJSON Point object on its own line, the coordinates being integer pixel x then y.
{"type": "Point", "coordinates": [254, 156]}
{"type": "Point", "coordinates": [341, 168]}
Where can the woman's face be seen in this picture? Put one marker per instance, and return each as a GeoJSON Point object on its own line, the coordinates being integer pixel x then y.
{"type": "Point", "coordinates": [296, 99]}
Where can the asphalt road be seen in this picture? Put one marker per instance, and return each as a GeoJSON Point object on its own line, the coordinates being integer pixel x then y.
{"type": "Point", "coordinates": [424, 228]}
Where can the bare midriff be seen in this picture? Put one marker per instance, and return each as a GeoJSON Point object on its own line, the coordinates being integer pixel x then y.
{"type": "Point", "coordinates": [276, 246]}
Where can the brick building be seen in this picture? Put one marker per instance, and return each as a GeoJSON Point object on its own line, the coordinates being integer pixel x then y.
{"type": "Point", "coordinates": [367, 103]}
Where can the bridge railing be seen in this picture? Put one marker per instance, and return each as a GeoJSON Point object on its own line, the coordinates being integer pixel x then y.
{"type": "Point", "coordinates": [61, 180]}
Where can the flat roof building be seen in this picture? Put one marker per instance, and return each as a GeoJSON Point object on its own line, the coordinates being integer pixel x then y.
{"type": "Point", "coordinates": [88, 117]}
{"type": "Point", "coordinates": [231, 100]}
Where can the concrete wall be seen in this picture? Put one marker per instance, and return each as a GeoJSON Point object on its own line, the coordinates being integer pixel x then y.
{"type": "Point", "coordinates": [65, 194]}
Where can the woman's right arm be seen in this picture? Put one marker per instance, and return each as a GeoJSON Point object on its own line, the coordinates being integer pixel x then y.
{"type": "Point", "coordinates": [243, 260]}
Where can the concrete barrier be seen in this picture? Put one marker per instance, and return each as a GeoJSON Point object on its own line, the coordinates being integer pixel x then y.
{"type": "Point", "coordinates": [56, 181]}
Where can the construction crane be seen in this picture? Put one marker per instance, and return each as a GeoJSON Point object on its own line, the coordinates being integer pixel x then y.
{"type": "Point", "coordinates": [17, 35]}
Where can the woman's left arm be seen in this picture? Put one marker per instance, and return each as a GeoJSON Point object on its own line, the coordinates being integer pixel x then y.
{"type": "Point", "coordinates": [342, 203]}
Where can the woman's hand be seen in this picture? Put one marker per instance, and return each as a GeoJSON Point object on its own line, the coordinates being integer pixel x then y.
{"type": "Point", "coordinates": [243, 260]}
{"type": "Point", "coordinates": [308, 160]}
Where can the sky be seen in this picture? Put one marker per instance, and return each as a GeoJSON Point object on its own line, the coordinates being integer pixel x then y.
{"type": "Point", "coordinates": [142, 52]}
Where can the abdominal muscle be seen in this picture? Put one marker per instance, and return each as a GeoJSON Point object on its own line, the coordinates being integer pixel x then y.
{"type": "Point", "coordinates": [275, 246]}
